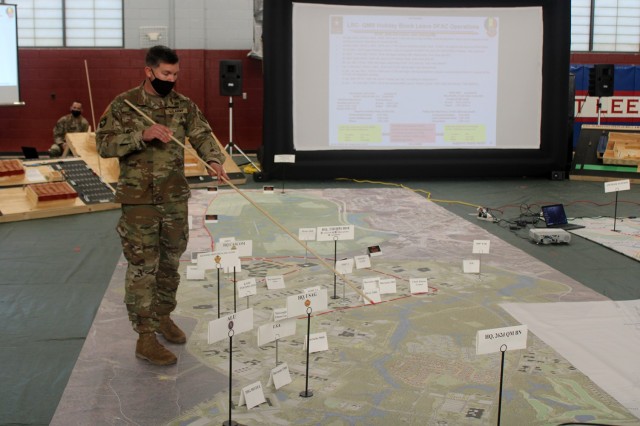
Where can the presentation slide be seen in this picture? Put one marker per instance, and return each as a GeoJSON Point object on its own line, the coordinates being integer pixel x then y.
{"type": "Point", "coordinates": [9, 87]}
{"type": "Point", "coordinates": [416, 78]}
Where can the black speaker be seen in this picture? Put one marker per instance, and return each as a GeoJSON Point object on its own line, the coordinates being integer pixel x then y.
{"type": "Point", "coordinates": [601, 80]}
{"type": "Point", "coordinates": [230, 78]}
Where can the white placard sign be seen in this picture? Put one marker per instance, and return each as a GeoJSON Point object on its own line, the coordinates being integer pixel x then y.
{"type": "Point", "coordinates": [194, 273]}
{"type": "Point", "coordinates": [226, 240]}
{"type": "Point", "coordinates": [275, 282]}
{"type": "Point", "coordinates": [272, 331]}
{"type": "Point", "coordinates": [333, 233]}
{"type": "Point", "coordinates": [206, 260]}
{"type": "Point", "coordinates": [617, 185]}
{"type": "Point", "coordinates": [297, 304]}
{"type": "Point", "coordinates": [471, 266]}
{"type": "Point", "coordinates": [280, 314]}
{"type": "Point", "coordinates": [190, 221]}
{"type": "Point", "coordinates": [247, 287]}
{"type": "Point", "coordinates": [284, 158]}
{"type": "Point", "coordinates": [370, 282]}
{"type": "Point", "coordinates": [362, 261]}
{"type": "Point", "coordinates": [239, 321]}
{"type": "Point", "coordinates": [312, 289]}
{"type": "Point", "coordinates": [387, 285]}
{"type": "Point", "coordinates": [231, 267]}
{"type": "Point", "coordinates": [372, 291]}
{"type": "Point", "coordinates": [34, 175]}
{"type": "Point", "coordinates": [491, 341]}
{"type": "Point", "coordinates": [345, 266]}
{"type": "Point", "coordinates": [243, 248]}
{"type": "Point", "coordinates": [194, 256]}
{"type": "Point", "coordinates": [317, 343]}
{"type": "Point", "coordinates": [481, 246]}
{"type": "Point", "coordinates": [279, 376]}
{"type": "Point", "coordinates": [252, 395]}
{"type": "Point", "coordinates": [217, 259]}
{"type": "Point", "coordinates": [307, 234]}
{"type": "Point", "coordinates": [418, 285]}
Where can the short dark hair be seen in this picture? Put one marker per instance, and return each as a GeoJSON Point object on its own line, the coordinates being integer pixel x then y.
{"type": "Point", "coordinates": [160, 54]}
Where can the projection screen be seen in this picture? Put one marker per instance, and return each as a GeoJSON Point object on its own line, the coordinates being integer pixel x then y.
{"type": "Point", "coordinates": [9, 81]}
{"type": "Point", "coordinates": [416, 88]}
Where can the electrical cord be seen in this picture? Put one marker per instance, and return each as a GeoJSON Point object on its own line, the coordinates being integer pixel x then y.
{"type": "Point", "coordinates": [529, 213]}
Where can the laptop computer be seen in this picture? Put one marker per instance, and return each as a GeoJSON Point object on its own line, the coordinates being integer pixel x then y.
{"type": "Point", "coordinates": [30, 153]}
{"type": "Point", "coordinates": [555, 217]}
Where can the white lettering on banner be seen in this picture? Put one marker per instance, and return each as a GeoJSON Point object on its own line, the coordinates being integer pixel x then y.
{"type": "Point", "coordinates": [611, 107]}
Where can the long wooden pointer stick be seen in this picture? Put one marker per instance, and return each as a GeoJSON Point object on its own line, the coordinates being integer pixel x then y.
{"type": "Point", "coordinates": [264, 212]}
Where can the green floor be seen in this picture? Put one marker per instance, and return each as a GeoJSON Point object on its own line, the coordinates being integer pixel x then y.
{"type": "Point", "coordinates": [55, 272]}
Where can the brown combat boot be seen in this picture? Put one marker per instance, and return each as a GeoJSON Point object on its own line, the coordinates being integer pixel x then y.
{"type": "Point", "coordinates": [170, 330]}
{"type": "Point", "coordinates": [150, 349]}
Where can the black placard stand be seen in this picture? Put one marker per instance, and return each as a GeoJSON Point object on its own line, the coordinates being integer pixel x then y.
{"type": "Point", "coordinates": [218, 269]}
{"type": "Point", "coordinates": [230, 422]}
{"type": "Point", "coordinates": [615, 213]}
{"type": "Point", "coordinates": [283, 170]}
{"type": "Point", "coordinates": [235, 292]}
{"type": "Point", "coordinates": [277, 338]}
{"type": "Point", "coordinates": [335, 263]}
{"type": "Point", "coordinates": [503, 349]}
{"type": "Point", "coordinates": [307, 393]}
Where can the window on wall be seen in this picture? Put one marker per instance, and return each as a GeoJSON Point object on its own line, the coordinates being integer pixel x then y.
{"type": "Point", "coordinates": [605, 25]}
{"type": "Point", "coordinates": [580, 24]}
{"type": "Point", "coordinates": [70, 23]}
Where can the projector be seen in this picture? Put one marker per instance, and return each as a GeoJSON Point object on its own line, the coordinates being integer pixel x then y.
{"type": "Point", "coordinates": [549, 236]}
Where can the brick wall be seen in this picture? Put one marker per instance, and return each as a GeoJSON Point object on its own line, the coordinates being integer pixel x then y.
{"type": "Point", "coordinates": [50, 79]}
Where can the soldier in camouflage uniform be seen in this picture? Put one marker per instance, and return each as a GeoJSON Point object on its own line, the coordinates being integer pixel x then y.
{"type": "Point", "coordinates": [73, 122]}
{"type": "Point", "coordinates": [153, 191]}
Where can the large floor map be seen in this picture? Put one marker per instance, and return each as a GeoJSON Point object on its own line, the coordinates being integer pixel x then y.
{"type": "Point", "coordinates": [408, 360]}
{"type": "Point", "coordinates": [621, 235]}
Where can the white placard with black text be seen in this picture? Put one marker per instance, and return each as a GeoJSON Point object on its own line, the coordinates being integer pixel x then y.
{"type": "Point", "coordinates": [252, 395]}
{"type": "Point", "coordinates": [617, 185]}
{"type": "Point", "coordinates": [499, 339]}
{"type": "Point", "coordinates": [239, 322]}
{"type": "Point", "coordinates": [297, 304]}
{"type": "Point", "coordinates": [333, 233]}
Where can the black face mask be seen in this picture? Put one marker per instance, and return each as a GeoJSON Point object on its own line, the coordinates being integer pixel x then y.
{"type": "Point", "coordinates": [76, 114]}
{"type": "Point", "coordinates": [162, 87]}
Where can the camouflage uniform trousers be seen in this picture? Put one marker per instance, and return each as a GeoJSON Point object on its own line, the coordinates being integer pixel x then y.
{"type": "Point", "coordinates": [153, 239]}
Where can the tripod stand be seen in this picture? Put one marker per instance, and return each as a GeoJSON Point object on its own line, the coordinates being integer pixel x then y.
{"type": "Point", "coordinates": [231, 144]}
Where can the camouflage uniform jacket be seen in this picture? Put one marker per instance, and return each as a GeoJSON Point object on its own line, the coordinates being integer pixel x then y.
{"type": "Point", "coordinates": [68, 124]}
{"type": "Point", "coordinates": [153, 172]}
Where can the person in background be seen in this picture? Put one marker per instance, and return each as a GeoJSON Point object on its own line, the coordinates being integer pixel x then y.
{"type": "Point", "coordinates": [73, 122]}
{"type": "Point", "coordinates": [154, 192]}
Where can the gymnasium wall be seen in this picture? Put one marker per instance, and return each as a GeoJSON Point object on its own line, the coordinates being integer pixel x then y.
{"type": "Point", "coordinates": [621, 109]}
{"type": "Point", "coordinates": [51, 79]}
